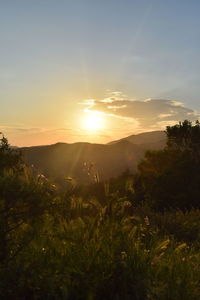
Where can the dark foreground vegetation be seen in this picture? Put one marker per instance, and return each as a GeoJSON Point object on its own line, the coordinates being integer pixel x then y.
{"type": "Point", "coordinates": [134, 237]}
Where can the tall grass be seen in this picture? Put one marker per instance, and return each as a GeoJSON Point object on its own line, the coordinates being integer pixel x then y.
{"type": "Point", "coordinates": [96, 252]}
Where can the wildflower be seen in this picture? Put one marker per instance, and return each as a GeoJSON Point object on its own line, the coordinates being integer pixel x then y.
{"type": "Point", "coordinates": [146, 220]}
{"type": "Point", "coordinates": [41, 176]}
{"type": "Point", "coordinates": [127, 204]}
{"type": "Point", "coordinates": [123, 255]}
{"type": "Point", "coordinates": [183, 259]}
{"type": "Point", "coordinates": [146, 250]}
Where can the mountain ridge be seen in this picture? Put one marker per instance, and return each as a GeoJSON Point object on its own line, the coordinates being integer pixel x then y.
{"type": "Point", "coordinates": [144, 137]}
{"type": "Point", "coordinates": [83, 161]}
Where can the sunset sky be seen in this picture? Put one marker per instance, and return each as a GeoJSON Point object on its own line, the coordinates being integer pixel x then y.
{"type": "Point", "coordinates": [96, 70]}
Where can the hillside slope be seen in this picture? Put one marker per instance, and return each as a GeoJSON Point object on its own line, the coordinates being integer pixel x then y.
{"type": "Point", "coordinates": [144, 138]}
{"type": "Point", "coordinates": [83, 161]}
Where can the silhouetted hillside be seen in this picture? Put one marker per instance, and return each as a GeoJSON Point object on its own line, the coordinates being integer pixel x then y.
{"type": "Point", "coordinates": [145, 138]}
{"type": "Point", "coordinates": [85, 161]}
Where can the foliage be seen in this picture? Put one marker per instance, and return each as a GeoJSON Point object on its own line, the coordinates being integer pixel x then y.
{"type": "Point", "coordinates": [170, 178]}
{"type": "Point", "coordinates": [108, 256]}
{"type": "Point", "coordinates": [184, 136]}
{"type": "Point", "coordinates": [9, 158]}
{"type": "Point", "coordinates": [71, 245]}
{"type": "Point", "coordinates": [23, 201]}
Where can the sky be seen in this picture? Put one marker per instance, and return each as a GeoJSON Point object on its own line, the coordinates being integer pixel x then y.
{"type": "Point", "coordinates": [91, 70]}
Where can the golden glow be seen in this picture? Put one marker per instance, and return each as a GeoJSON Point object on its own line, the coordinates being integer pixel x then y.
{"type": "Point", "coordinates": [93, 121]}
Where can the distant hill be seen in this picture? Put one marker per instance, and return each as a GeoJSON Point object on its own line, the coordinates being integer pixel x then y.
{"type": "Point", "coordinates": [153, 139]}
{"type": "Point", "coordinates": [84, 161]}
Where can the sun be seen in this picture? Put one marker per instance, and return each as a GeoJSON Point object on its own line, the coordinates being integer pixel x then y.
{"type": "Point", "coordinates": [93, 121]}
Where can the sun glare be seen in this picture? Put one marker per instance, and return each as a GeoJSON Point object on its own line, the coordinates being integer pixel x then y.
{"type": "Point", "coordinates": [93, 121]}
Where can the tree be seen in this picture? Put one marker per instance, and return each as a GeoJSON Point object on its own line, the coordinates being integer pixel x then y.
{"type": "Point", "coordinates": [184, 136]}
{"type": "Point", "coordinates": [24, 199]}
{"type": "Point", "coordinates": [170, 178]}
{"type": "Point", "coordinates": [10, 158]}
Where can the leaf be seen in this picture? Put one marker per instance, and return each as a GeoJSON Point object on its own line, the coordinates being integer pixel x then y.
{"type": "Point", "coordinates": [162, 246]}
{"type": "Point", "coordinates": [181, 247]}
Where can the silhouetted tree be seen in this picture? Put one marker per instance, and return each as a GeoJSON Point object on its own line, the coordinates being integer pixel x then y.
{"type": "Point", "coordinates": [10, 158]}
{"type": "Point", "coordinates": [23, 200]}
{"type": "Point", "coordinates": [170, 178]}
{"type": "Point", "coordinates": [184, 136]}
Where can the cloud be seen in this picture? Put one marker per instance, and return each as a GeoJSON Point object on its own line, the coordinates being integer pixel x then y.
{"type": "Point", "coordinates": [148, 114]}
{"type": "Point", "coordinates": [122, 116]}
{"type": "Point", "coordinates": [18, 128]}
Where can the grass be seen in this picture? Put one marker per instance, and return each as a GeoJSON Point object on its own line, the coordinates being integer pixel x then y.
{"type": "Point", "coordinates": [108, 254]}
